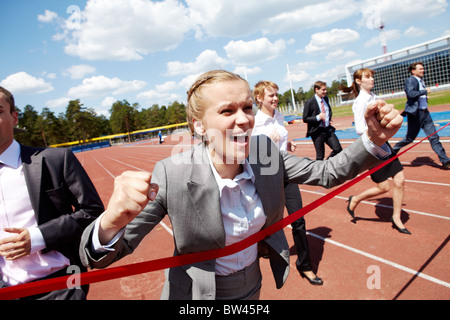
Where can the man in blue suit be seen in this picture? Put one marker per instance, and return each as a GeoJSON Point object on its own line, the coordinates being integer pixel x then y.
{"type": "Point", "coordinates": [419, 117]}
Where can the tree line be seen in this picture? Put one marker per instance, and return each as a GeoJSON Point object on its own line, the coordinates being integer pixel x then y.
{"type": "Point", "coordinates": [80, 123]}
{"type": "Point", "coordinates": [302, 95]}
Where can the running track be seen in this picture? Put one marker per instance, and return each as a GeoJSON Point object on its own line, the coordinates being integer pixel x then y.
{"type": "Point", "coordinates": [367, 260]}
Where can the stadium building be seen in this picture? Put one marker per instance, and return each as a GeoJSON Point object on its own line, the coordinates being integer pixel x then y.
{"type": "Point", "coordinates": [392, 68]}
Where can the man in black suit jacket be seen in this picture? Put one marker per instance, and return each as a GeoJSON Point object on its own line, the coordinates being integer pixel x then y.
{"type": "Point", "coordinates": [46, 201]}
{"type": "Point", "coordinates": [416, 110]}
{"type": "Point", "coordinates": [317, 114]}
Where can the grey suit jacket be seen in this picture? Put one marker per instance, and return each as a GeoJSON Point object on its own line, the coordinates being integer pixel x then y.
{"type": "Point", "coordinates": [189, 194]}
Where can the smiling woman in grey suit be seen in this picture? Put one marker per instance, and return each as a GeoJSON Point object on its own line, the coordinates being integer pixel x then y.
{"type": "Point", "coordinates": [225, 189]}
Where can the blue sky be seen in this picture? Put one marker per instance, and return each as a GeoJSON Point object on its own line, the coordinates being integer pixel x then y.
{"type": "Point", "coordinates": [101, 51]}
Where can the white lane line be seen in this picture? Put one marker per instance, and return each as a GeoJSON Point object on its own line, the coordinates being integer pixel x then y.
{"type": "Point", "coordinates": [426, 182]}
{"type": "Point", "coordinates": [376, 258]}
{"type": "Point", "coordinates": [127, 164]}
{"type": "Point", "coordinates": [104, 168]}
{"type": "Point", "coordinates": [383, 205]}
{"type": "Point", "coordinates": [167, 228]}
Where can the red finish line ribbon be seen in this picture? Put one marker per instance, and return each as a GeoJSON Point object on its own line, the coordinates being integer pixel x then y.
{"type": "Point", "coordinates": [42, 286]}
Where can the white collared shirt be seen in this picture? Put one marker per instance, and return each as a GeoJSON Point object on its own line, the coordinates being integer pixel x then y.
{"type": "Point", "coordinates": [423, 102]}
{"type": "Point", "coordinates": [359, 110]}
{"type": "Point", "coordinates": [16, 212]}
{"type": "Point", "coordinates": [265, 124]}
{"type": "Point", "coordinates": [242, 214]}
{"type": "Point", "coordinates": [327, 111]}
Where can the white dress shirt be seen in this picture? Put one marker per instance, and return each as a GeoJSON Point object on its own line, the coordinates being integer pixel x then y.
{"type": "Point", "coordinates": [423, 101]}
{"type": "Point", "coordinates": [16, 212]}
{"type": "Point", "coordinates": [359, 110]}
{"type": "Point", "coordinates": [265, 124]}
{"type": "Point", "coordinates": [242, 214]}
{"type": "Point", "coordinates": [327, 111]}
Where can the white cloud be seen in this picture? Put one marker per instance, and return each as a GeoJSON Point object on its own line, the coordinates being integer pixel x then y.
{"type": "Point", "coordinates": [100, 85]}
{"type": "Point", "coordinates": [245, 53]}
{"type": "Point", "coordinates": [311, 15]}
{"type": "Point", "coordinates": [127, 30]}
{"type": "Point", "coordinates": [340, 54]}
{"type": "Point", "coordinates": [324, 41]}
{"type": "Point", "coordinates": [235, 18]}
{"type": "Point", "coordinates": [225, 17]}
{"type": "Point", "coordinates": [49, 75]}
{"type": "Point", "coordinates": [389, 35]}
{"type": "Point", "coordinates": [108, 102]}
{"type": "Point", "coordinates": [405, 11]}
{"type": "Point", "coordinates": [162, 93]}
{"type": "Point", "coordinates": [79, 71]}
{"type": "Point", "coordinates": [166, 86]}
{"type": "Point", "coordinates": [243, 71]}
{"type": "Point", "coordinates": [159, 97]}
{"type": "Point", "coordinates": [297, 76]}
{"type": "Point", "coordinates": [330, 74]}
{"type": "Point", "coordinates": [207, 60]}
{"type": "Point", "coordinates": [47, 17]}
{"type": "Point", "coordinates": [106, 105]}
{"type": "Point", "coordinates": [23, 83]}
{"type": "Point", "coordinates": [187, 82]}
{"type": "Point", "coordinates": [58, 103]}
{"type": "Point", "coordinates": [298, 72]}
{"type": "Point", "coordinates": [415, 32]}
{"type": "Point", "coordinates": [308, 65]}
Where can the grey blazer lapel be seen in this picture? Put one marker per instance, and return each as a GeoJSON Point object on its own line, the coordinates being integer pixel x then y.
{"type": "Point", "coordinates": [204, 194]}
{"type": "Point", "coordinates": [265, 162]}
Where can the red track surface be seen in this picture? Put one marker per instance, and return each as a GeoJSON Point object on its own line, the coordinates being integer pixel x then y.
{"type": "Point", "coordinates": [348, 257]}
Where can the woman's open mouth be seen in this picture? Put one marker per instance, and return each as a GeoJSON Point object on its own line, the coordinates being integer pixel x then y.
{"type": "Point", "coordinates": [241, 138]}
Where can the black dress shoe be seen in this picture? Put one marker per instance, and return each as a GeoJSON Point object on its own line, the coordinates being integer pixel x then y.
{"type": "Point", "coordinates": [404, 230]}
{"type": "Point", "coordinates": [316, 281]}
{"type": "Point", "coordinates": [352, 213]}
{"type": "Point", "coordinates": [446, 165]}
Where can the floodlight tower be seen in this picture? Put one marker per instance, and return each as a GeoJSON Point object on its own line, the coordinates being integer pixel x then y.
{"type": "Point", "coordinates": [382, 38]}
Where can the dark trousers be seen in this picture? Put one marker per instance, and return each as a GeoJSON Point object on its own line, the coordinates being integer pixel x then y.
{"type": "Point", "coordinates": [422, 121]}
{"type": "Point", "coordinates": [293, 201]}
{"type": "Point", "coordinates": [322, 136]}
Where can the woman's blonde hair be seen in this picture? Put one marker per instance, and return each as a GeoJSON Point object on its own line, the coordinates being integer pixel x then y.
{"type": "Point", "coordinates": [260, 88]}
{"type": "Point", "coordinates": [195, 101]}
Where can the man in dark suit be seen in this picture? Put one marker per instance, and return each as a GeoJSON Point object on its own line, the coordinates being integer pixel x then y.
{"type": "Point", "coordinates": [317, 114]}
{"type": "Point", "coordinates": [416, 110]}
{"type": "Point", "coordinates": [46, 201]}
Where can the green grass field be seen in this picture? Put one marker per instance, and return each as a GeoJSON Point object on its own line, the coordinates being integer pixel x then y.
{"type": "Point", "coordinates": [434, 99]}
